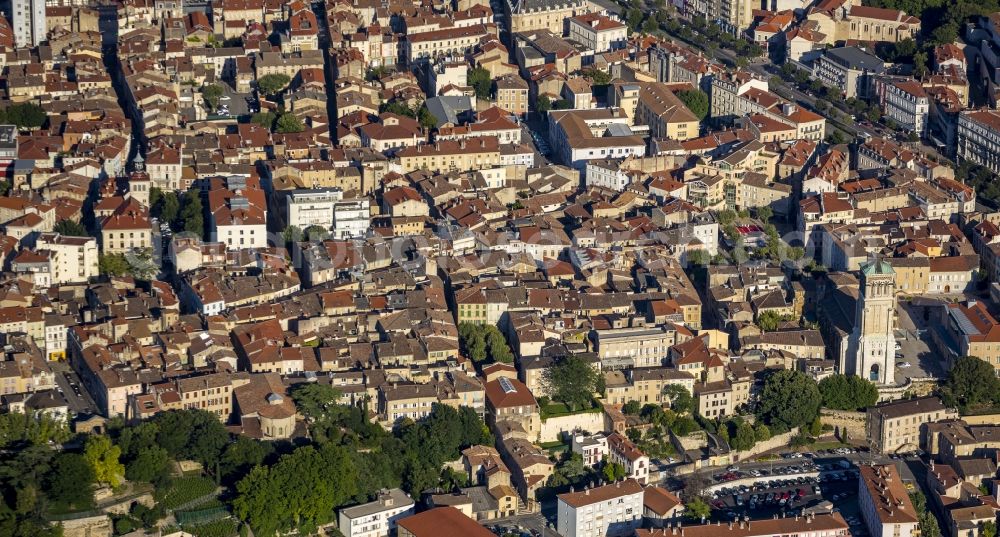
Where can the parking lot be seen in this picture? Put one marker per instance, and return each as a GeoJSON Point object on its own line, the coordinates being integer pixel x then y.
{"type": "Point", "coordinates": [786, 496]}
{"type": "Point", "coordinates": [798, 483]}
{"type": "Point", "coordinates": [914, 356]}
{"type": "Point", "coordinates": [69, 386]}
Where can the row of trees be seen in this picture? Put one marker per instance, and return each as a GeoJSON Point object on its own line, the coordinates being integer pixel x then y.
{"type": "Point", "coordinates": [280, 486]}
{"type": "Point", "coordinates": [422, 114]}
{"type": "Point", "coordinates": [24, 115]}
{"type": "Point", "coordinates": [484, 342]}
{"type": "Point", "coordinates": [182, 213]}
{"type": "Point", "coordinates": [793, 399]}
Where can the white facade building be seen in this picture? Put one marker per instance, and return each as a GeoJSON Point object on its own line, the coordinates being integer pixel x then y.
{"type": "Point", "coordinates": [907, 104]}
{"type": "Point", "coordinates": [622, 451]}
{"type": "Point", "coordinates": [377, 518]}
{"type": "Point", "coordinates": [28, 19]}
{"type": "Point", "coordinates": [72, 259]}
{"type": "Point", "coordinates": [593, 449]}
{"type": "Point", "coordinates": [598, 32]}
{"type": "Point", "coordinates": [606, 174]}
{"type": "Point", "coordinates": [327, 208]}
{"type": "Point", "coordinates": [610, 511]}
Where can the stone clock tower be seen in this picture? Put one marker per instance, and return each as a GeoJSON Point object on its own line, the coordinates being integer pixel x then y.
{"type": "Point", "coordinates": [872, 344]}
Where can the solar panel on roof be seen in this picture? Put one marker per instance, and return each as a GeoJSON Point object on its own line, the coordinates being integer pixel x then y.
{"type": "Point", "coordinates": [506, 385]}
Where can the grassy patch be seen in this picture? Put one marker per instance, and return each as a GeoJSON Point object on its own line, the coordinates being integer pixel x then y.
{"type": "Point", "coordinates": [555, 409]}
{"type": "Point", "coordinates": [828, 445]}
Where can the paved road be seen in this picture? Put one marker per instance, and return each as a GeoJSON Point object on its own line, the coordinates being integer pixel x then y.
{"type": "Point", "coordinates": [787, 91]}
{"type": "Point", "coordinates": [78, 399]}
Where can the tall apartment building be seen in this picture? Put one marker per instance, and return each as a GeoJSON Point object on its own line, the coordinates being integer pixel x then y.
{"type": "Point", "coordinates": [28, 19]}
{"type": "Point", "coordinates": [848, 69]}
{"type": "Point", "coordinates": [377, 518]}
{"type": "Point", "coordinates": [327, 208]}
{"type": "Point", "coordinates": [71, 259]}
{"type": "Point", "coordinates": [884, 502]}
{"type": "Point", "coordinates": [613, 510]}
{"type": "Point", "coordinates": [906, 103]}
{"type": "Point", "coordinates": [896, 426]}
{"type": "Point", "coordinates": [979, 138]}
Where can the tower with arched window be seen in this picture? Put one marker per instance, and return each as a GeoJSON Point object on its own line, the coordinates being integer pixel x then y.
{"type": "Point", "coordinates": [872, 344]}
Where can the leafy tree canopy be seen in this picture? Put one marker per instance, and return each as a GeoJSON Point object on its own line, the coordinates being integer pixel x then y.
{"type": "Point", "coordinates": [272, 84]}
{"type": "Point", "coordinates": [789, 399]}
{"type": "Point", "coordinates": [571, 381]}
{"type": "Point", "coordinates": [841, 392]}
{"type": "Point", "coordinates": [696, 101]}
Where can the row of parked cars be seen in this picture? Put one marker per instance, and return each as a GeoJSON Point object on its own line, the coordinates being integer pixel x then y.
{"type": "Point", "coordinates": [734, 472]}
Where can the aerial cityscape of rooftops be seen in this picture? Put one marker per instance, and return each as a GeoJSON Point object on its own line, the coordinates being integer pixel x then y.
{"type": "Point", "coordinates": [512, 268]}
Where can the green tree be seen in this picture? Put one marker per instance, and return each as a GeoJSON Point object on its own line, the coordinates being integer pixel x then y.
{"type": "Point", "coordinates": [696, 101]}
{"type": "Point", "coordinates": [18, 428]}
{"type": "Point", "coordinates": [481, 82]}
{"type": "Point", "coordinates": [398, 108]}
{"type": "Point", "coordinates": [816, 427]}
{"type": "Point", "coordinates": [680, 398]}
{"type": "Point", "coordinates": [149, 465]}
{"type": "Point", "coordinates": [211, 93]}
{"type": "Point", "coordinates": [239, 457]}
{"type": "Point", "coordinates": [24, 115]}
{"type": "Point", "coordinates": [971, 382]}
{"type": "Point", "coordinates": [571, 381]}
{"type": "Point", "coordinates": [272, 84]}
{"type": "Point", "coordinates": [112, 264]}
{"type": "Point", "coordinates": [789, 399]}
{"type": "Point", "coordinates": [69, 482]}
{"type": "Point", "coordinates": [472, 341]}
{"type": "Point", "coordinates": [768, 321]}
{"type": "Point", "coordinates": [632, 408]}
{"type": "Point", "coordinates": [292, 234]}
{"type": "Point", "coordinates": [841, 392]}
{"type": "Point", "coordinates": [165, 206]}
{"type": "Point", "coordinates": [650, 25]}
{"type": "Point", "coordinates": [761, 433]}
{"type": "Point", "coordinates": [102, 456]}
{"type": "Point", "coordinates": [764, 213]}
{"type": "Point", "coordinates": [289, 123]}
{"type": "Point", "coordinates": [634, 17]}
{"type": "Point", "coordinates": [426, 118]}
{"type": "Point", "coordinates": [264, 119]}
{"type": "Point", "coordinates": [191, 215]}
{"type": "Point", "coordinates": [497, 346]}
{"type": "Point", "coordinates": [744, 438]}
{"type": "Point", "coordinates": [71, 228]}
{"type": "Point", "coordinates": [543, 104]}
{"type": "Point", "coordinates": [613, 471]}
{"type": "Point", "coordinates": [313, 400]}
{"type": "Point", "coordinates": [920, 64]}
{"type": "Point", "coordinates": [598, 77]}
{"type": "Point", "coordinates": [562, 104]}
{"type": "Point", "coordinates": [316, 233]}
{"type": "Point", "coordinates": [697, 509]}
{"type": "Point", "coordinates": [988, 529]}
